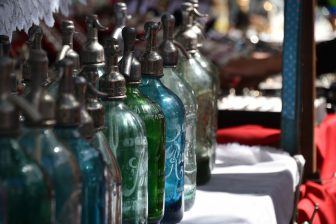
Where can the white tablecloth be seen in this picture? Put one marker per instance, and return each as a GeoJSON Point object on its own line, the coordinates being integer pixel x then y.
{"type": "Point", "coordinates": [249, 185]}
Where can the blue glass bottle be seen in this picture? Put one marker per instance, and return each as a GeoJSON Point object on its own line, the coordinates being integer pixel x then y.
{"type": "Point", "coordinates": [25, 193]}
{"type": "Point", "coordinates": [40, 142]}
{"type": "Point", "coordinates": [88, 158]}
{"type": "Point", "coordinates": [173, 109]}
{"type": "Point", "coordinates": [176, 82]}
{"type": "Point", "coordinates": [126, 136]}
{"type": "Point", "coordinates": [154, 120]}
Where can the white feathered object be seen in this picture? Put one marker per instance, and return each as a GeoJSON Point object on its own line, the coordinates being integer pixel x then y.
{"type": "Point", "coordinates": [22, 14]}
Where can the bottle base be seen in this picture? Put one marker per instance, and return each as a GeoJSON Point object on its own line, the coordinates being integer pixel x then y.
{"type": "Point", "coordinates": [203, 171]}
{"type": "Point", "coordinates": [174, 214]}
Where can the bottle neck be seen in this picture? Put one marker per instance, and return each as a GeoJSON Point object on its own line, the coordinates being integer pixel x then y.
{"type": "Point", "coordinates": [121, 20]}
{"type": "Point", "coordinates": [132, 88]}
{"type": "Point", "coordinates": [68, 40]}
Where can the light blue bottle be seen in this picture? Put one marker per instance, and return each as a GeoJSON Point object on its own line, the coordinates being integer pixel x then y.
{"type": "Point", "coordinates": [173, 109]}
{"type": "Point", "coordinates": [88, 158]}
{"type": "Point", "coordinates": [40, 143]}
{"type": "Point", "coordinates": [175, 81]}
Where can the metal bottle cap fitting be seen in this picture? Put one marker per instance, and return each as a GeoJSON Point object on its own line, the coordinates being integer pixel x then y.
{"type": "Point", "coordinates": [112, 82]}
{"type": "Point", "coordinates": [86, 126]}
{"type": "Point", "coordinates": [96, 111]}
{"type": "Point", "coordinates": [151, 63]}
{"type": "Point", "coordinates": [35, 35]}
{"type": "Point", "coordinates": [167, 48]}
{"type": "Point", "coordinates": [10, 104]}
{"type": "Point", "coordinates": [197, 27]}
{"type": "Point", "coordinates": [92, 52]}
{"type": "Point", "coordinates": [186, 36]}
{"type": "Point", "coordinates": [67, 106]}
{"type": "Point", "coordinates": [120, 11]}
{"type": "Point", "coordinates": [129, 66]}
{"type": "Point", "coordinates": [39, 96]}
{"type": "Point", "coordinates": [68, 31]}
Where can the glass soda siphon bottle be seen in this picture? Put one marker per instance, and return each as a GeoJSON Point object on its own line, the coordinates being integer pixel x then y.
{"type": "Point", "coordinates": [67, 51]}
{"type": "Point", "coordinates": [89, 160]}
{"type": "Point", "coordinates": [40, 143]}
{"type": "Point", "coordinates": [154, 121]}
{"type": "Point", "coordinates": [209, 67]}
{"type": "Point", "coordinates": [176, 82]}
{"type": "Point", "coordinates": [202, 84]}
{"type": "Point", "coordinates": [93, 132]}
{"type": "Point", "coordinates": [28, 196]}
{"type": "Point", "coordinates": [92, 55]}
{"type": "Point", "coordinates": [126, 136]}
{"type": "Point", "coordinates": [173, 109]}
{"type": "Point", "coordinates": [35, 35]}
{"type": "Point", "coordinates": [120, 12]}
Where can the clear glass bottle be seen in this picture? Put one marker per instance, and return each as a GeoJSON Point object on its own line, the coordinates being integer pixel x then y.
{"type": "Point", "coordinates": [176, 82]}
{"type": "Point", "coordinates": [126, 136]}
{"type": "Point", "coordinates": [89, 160]}
{"type": "Point", "coordinates": [154, 120]}
{"type": "Point", "coordinates": [92, 123]}
{"type": "Point", "coordinates": [92, 55]}
{"type": "Point", "coordinates": [173, 109]}
{"type": "Point", "coordinates": [211, 69]}
{"type": "Point", "coordinates": [28, 197]}
{"type": "Point", "coordinates": [40, 142]}
{"type": "Point", "coordinates": [202, 84]}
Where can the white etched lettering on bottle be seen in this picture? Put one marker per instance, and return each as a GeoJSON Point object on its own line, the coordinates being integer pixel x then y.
{"type": "Point", "coordinates": [173, 156]}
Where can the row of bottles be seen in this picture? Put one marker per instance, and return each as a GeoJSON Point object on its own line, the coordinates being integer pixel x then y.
{"type": "Point", "coordinates": [107, 138]}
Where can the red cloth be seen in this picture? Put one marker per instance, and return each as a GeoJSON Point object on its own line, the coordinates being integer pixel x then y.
{"type": "Point", "coordinates": [311, 193]}
{"type": "Point", "coordinates": [249, 135]}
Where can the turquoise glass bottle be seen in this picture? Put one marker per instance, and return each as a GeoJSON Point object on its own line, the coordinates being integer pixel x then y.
{"type": "Point", "coordinates": [92, 130]}
{"type": "Point", "coordinates": [154, 121]}
{"type": "Point", "coordinates": [27, 196]}
{"type": "Point", "coordinates": [40, 143]}
{"type": "Point", "coordinates": [202, 84]}
{"type": "Point", "coordinates": [89, 160]}
{"type": "Point", "coordinates": [126, 136]}
{"type": "Point", "coordinates": [176, 82]}
{"type": "Point", "coordinates": [92, 55]}
{"type": "Point", "coordinates": [173, 109]}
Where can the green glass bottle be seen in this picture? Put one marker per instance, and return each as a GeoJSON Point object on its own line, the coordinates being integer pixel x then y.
{"type": "Point", "coordinates": [91, 165]}
{"type": "Point", "coordinates": [92, 125]}
{"type": "Point", "coordinates": [28, 197]}
{"type": "Point", "coordinates": [176, 82]}
{"type": "Point", "coordinates": [202, 85]}
{"type": "Point", "coordinates": [41, 144]}
{"type": "Point", "coordinates": [126, 136]}
{"type": "Point", "coordinates": [154, 121]}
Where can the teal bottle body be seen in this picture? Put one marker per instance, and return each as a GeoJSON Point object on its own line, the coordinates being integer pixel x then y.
{"type": "Point", "coordinates": [175, 82]}
{"type": "Point", "coordinates": [173, 110]}
{"type": "Point", "coordinates": [154, 122]}
{"type": "Point", "coordinates": [92, 171]}
{"type": "Point", "coordinates": [62, 169]}
{"type": "Point", "coordinates": [126, 136]}
{"type": "Point", "coordinates": [27, 195]}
